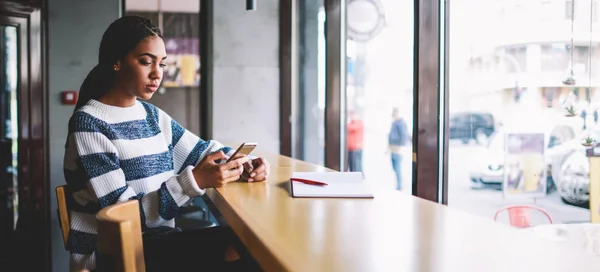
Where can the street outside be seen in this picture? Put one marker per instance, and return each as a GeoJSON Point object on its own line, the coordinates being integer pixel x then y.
{"type": "Point", "coordinates": [482, 202]}
{"type": "Point", "coordinates": [485, 202]}
{"type": "Point", "coordinates": [489, 76]}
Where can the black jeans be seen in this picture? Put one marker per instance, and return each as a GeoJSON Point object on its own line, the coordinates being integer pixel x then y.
{"type": "Point", "coordinates": [196, 250]}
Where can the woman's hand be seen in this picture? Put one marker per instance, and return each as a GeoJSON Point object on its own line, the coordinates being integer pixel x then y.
{"type": "Point", "coordinates": [208, 173]}
{"type": "Point", "coordinates": [256, 170]}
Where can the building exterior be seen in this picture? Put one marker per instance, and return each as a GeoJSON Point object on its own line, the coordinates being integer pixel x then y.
{"type": "Point", "coordinates": [522, 49]}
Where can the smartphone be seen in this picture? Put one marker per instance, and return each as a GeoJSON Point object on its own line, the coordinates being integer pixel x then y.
{"type": "Point", "coordinates": [244, 148]}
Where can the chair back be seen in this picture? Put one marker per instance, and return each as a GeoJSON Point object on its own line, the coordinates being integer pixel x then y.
{"type": "Point", "coordinates": [520, 215]}
{"type": "Point", "coordinates": [63, 213]}
{"type": "Point", "coordinates": [120, 245]}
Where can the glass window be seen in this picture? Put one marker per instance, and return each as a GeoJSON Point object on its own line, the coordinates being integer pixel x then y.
{"type": "Point", "coordinates": [520, 146]}
{"type": "Point", "coordinates": [582, 11]}
{"type": "Point", "coordinates": [516, 59]}
{"type": "Point", "coordinates": [311, 98]}
{"type": "Point", "coordinates": [379, 91]}
{"type": "Point", "coordinates": [555, 57]}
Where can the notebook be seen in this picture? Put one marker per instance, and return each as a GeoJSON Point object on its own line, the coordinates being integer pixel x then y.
{"type": "Point", "coordinates": [340, 185]}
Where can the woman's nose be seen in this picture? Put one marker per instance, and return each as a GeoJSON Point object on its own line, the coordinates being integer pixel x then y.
{"type": "Point", "coordinates": [156, 73]}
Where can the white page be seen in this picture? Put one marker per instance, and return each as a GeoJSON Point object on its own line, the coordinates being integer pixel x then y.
{"type": "Point", "coordinates": [340, 184]}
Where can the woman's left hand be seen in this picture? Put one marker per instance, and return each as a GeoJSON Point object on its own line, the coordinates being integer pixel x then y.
{"type": "Point", "coordinates": [256, 170]}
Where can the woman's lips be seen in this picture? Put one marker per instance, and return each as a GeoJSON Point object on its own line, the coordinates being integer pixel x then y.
{"type": "Point", "coordinates": [152, 88]}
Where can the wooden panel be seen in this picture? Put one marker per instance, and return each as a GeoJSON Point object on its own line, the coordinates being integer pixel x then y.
{"type": "Point", "coordinates": [286, 72]}
{"type": "Point", "coordinates": [392, 232]}
{"type": "Point", "coordinates": [427, 100]}
{"type": "Point", "coordinates": [335, 85]}
{"type": "Point", "coordinates": [27, 241]}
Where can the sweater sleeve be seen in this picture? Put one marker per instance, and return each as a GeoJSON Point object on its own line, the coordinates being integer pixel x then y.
{"type": "Point", "coordinates": [96, 170]}
{"type": "Point", "coordinates": [188, 149]}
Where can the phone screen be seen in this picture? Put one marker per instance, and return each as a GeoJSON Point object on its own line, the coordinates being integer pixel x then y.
{"type": "Point", "coordinates": [244, 148]}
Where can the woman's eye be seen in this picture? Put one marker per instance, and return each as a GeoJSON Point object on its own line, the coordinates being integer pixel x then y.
{"type": "Point", "coordinates": [145, 62]}
{"type": "Point", "coordinates": [163, 65]}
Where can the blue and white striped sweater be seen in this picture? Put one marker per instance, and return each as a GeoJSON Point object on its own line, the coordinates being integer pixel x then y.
{"type": "Point", "coordinates": [114, 154]}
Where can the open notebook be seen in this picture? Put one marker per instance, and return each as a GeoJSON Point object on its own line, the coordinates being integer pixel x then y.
{"type": "Point", "coordinates": [340, 184]}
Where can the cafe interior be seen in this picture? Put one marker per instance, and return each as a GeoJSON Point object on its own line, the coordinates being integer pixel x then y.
{"type": "Point", "coordinates": [346, 103]}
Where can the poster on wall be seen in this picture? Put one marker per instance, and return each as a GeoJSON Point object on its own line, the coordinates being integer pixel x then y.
{"type": "Point", "coordinates": [183, 63]}
{"type": "Point", "coordinates": [524, 166]}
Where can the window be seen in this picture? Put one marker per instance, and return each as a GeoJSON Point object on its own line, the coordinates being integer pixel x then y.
{"type": "Point", "coordinates": [311, 89]}
{"type": "Point", "coordinates": [379, 91]}
{"type": "Point", "coordinates": [550, 95]}
{"type": "Point", "coordinates": [516, 59]}
{"type": "Point", "coordinates": [569, 10]}
{"type": "Point", "coordinates": [525, 97]}
{"type": "Point", "coordinates": [555, 57]}
{"type": "Point", "coordinates": [582, 10]}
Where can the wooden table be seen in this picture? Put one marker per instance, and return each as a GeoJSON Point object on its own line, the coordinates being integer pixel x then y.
{"type": "Point", "coordinates": [392, 232]}
{"type": "Point", "coordinates": [583, 237]}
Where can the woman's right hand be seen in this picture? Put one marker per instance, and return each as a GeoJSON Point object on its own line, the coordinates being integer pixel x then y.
{"type": "Point", "coordinates": [208, 173]}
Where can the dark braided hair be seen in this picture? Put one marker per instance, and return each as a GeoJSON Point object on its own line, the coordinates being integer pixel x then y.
{"type": "Point", "coordinates": [121, 37]}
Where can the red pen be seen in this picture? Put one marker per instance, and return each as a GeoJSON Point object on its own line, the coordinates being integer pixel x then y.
{"type": "Point", "coordinates": [308, 181]}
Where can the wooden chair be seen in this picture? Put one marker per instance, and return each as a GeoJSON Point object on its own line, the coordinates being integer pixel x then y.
{"type": "Point", "coordinates": [63, 213]}
{"type": "Point", "coordinates": [120, 245]}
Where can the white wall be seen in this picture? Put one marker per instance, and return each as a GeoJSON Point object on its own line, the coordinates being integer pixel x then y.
{"type": "Point", "coordinates": [246, 73]}
{"type": "Point", "coordinates": [75, 29]}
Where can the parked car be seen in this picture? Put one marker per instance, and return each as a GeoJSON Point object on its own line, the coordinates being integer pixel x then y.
{"type": "Point", "coordinates": [571, 171]}
{"type": "Point", "coordinates": [466, 126]}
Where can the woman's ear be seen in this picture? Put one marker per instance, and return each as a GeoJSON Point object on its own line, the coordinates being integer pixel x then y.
{"type": "Point", "coordinates": [117, 66]}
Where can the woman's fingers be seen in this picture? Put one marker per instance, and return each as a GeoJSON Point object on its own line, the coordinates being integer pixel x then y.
{"type": "Point", "coordinates": [262, 176]}
{"type": "Point", "coordinates": [261, 172]}
{"type": "Point", "coordinates": [258, 170]}
{"type": "Point", "coordinates": [231, 179]}
{"type": "Point", "coordinates": [236, 163]}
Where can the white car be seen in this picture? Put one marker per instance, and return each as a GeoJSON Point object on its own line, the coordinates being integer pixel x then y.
{"type": "Point", "coordinates": [571, 172]}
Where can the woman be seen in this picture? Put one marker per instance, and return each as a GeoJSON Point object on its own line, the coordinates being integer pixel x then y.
{"type": "Point", "coordinates": [120, 148]}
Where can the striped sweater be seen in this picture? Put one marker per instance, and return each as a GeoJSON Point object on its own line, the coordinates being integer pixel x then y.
{"type": "Point", "coordinates": [115, 154]}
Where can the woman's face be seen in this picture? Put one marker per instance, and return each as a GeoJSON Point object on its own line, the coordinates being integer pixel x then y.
{"type": "Point", "coordinates": [141, 71]}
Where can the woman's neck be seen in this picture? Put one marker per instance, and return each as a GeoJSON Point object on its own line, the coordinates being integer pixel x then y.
{"type": "Point", "coordinates": [117, 98]}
